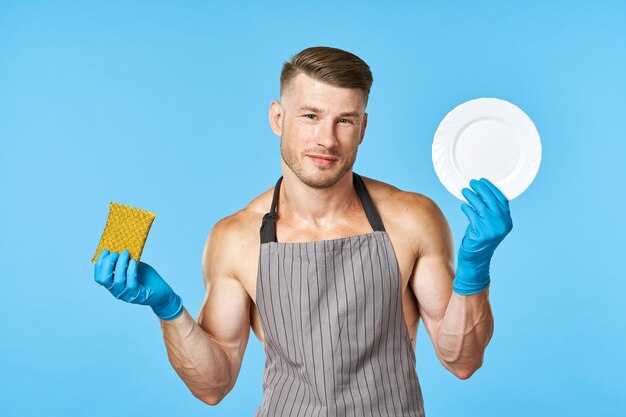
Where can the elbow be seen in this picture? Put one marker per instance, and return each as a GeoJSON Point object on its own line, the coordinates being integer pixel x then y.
{"type": "Point", "coordinates": [213, 401]}
{"type": "Point", "coordinates": [211, 393]}
{"type": "Point", "coordinates": [463, 373]}
{"type": "Point", "coordinates": [209, 399]}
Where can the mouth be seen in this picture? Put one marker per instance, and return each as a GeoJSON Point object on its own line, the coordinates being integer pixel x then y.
{"type": "Point", "coordinates": [322, 160]}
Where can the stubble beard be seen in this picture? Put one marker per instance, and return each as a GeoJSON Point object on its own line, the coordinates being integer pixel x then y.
{"type": "Point", "coordinates": [323, 178]}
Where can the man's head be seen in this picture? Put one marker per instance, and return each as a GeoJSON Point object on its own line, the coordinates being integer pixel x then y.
{"type": "Point", "coordinates": [324, 93]}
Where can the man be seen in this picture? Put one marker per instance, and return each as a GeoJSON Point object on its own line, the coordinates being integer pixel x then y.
{"type": "Point", "coordinates": [330, 269]}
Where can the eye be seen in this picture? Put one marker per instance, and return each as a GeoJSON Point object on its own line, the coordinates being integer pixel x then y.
{"type": "Point", "coordinates": [344, 121]}
{"type": "Point", "coordinates": [310, 116]}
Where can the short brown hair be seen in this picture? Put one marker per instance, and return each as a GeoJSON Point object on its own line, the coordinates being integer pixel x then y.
{"type": "Point", "coordinates": [330, 65]}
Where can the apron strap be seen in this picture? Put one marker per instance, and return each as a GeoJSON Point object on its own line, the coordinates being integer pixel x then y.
{"type": "Point", "coordinates": [268, 226]}
{"type": "Point", "coordinates": [368, 204]}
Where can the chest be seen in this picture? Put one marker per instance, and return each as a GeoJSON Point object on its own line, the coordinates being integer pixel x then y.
{"type": "Point", "coordinates": [247, 269]}
{"type": "Point", "coordinates": [297, 257]}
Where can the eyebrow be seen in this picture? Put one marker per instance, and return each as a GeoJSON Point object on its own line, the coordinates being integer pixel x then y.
{"type": "Point", "coordinates": [317, 110]}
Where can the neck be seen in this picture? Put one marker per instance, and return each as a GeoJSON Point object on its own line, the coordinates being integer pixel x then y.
{"type": "Point", "coordinates": [321, 208]}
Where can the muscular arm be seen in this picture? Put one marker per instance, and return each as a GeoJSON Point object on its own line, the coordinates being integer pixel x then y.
{"type": "Point", "coordinates": [207, 354]}
{"type": "Point", "coordinates": [460, 326]}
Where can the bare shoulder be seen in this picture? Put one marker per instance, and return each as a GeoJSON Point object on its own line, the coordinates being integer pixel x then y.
{"type": "Point", "coordinates": [235, 238]}
{"type": "Point", "coordinates": [393, 202]}
{"type": "Point", "coordinates": [413, 215]}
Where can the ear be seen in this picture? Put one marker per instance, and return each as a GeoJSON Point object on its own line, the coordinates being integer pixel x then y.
{"type": "Point", "coordinates": [363, 127]}
{"type": "Point", "coordinates": [276, 117]}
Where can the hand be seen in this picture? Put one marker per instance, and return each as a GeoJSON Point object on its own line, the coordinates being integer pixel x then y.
{"type": "Point", "coordinates": [137, 284]}
{"type": "Point", "coordinates": [490, 221]}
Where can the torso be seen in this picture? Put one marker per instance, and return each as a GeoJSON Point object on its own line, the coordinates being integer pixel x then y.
{"type": "Point", "coordinates": [386, 199]}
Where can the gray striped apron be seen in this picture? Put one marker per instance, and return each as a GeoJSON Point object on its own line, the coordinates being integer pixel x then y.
{"type": "Point", "coordinates": [336, 342]}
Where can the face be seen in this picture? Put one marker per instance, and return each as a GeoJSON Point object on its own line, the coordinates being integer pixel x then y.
{"type": "Point", "coordinates": [320, 127]}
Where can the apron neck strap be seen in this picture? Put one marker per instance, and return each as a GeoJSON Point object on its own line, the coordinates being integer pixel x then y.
{"type": "Point", "coordinates": [368, 205]}
{"type": "Point", "coordinates": [268, 226]}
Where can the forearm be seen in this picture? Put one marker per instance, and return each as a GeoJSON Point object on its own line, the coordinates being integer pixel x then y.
{"type": "Point", "coordinates": [464, 333]}
{"type": "Point", "coordinates": [197, 358]}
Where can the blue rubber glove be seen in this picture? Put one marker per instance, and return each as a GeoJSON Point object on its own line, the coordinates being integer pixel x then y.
{"type": "Point", "coordinates": [490, 222]}
{"type": "Point", "coordinates": [137, 284]}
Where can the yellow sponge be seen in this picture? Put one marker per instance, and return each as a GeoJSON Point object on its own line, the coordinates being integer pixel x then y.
{"type": "Point", "coordinates": [126, 228]}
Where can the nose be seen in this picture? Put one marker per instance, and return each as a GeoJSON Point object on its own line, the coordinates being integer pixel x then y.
{"type": "Point", "coordinates": [326, 134]}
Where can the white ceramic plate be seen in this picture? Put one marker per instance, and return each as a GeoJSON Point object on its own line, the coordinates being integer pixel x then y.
{"type": "Point", "coordinates": [487, 138]}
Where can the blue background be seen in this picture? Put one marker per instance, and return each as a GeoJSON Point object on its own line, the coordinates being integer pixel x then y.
{"type": "Point", "coordinates": [164, 107]}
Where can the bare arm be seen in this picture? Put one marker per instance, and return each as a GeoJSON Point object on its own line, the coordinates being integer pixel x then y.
{"type": "Point", "coordinates": [460, 326]}
{"type": "Point", "coordinates": [207, 354]}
